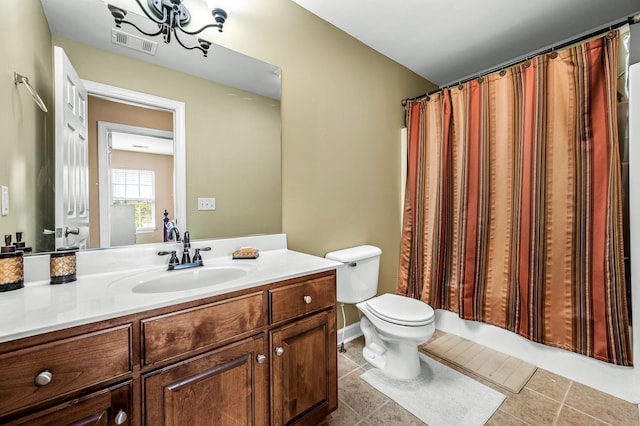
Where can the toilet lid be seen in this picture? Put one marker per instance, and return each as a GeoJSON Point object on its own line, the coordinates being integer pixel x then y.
{"type": "Point", "coordinates": [401, 310]}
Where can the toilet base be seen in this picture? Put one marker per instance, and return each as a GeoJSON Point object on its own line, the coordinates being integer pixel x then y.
{"type": "Point", "coordinates": [397, 359]}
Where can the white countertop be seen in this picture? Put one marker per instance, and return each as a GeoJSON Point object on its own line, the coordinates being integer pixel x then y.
{"type": "Point", "coordinates": [40, 307]}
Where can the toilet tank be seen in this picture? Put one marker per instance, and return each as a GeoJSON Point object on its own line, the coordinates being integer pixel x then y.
{"type": "Point", "coordinates": [357, 277]}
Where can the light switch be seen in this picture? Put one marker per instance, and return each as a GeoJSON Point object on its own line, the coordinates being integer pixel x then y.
{"type": "Point", "coordinates": [5, 201]}
{"type": "Point", "coordinates": [206, 203]}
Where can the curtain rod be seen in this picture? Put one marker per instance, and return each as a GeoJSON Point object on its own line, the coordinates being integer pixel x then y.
{"type": "Point", "coordinates": [630, 20]}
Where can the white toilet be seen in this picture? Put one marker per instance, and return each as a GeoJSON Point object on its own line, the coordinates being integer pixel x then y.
{"type": "Point", "coordinates": [393, 326]}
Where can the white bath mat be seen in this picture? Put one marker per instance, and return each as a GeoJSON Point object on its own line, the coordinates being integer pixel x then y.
{"type": "Point", "coordinates": [440, 396]}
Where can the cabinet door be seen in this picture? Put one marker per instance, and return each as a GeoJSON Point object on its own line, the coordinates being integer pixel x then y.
{"type": "Point", "coordinates": [107, 407]}
{"type": "Point", "coordinates": [304, 385]}
{"type": "Point", "coordinates": [227, 386]}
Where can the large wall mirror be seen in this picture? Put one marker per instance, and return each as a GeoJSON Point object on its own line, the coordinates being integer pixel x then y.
{"type": "Point", "coordinates": [231, 125]}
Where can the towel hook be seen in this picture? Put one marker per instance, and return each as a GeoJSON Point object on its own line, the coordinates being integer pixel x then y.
{"type": "Point", "coordinates": [17, 79]}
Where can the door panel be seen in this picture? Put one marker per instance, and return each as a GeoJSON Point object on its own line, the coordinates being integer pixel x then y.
{"type": "Point", "coordinates": [72, 162]}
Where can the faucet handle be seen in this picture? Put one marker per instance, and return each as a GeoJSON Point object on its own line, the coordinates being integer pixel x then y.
{"type": "Point", "coordinates": [197, 257]}
{"type": "Point", "coordinates": [173, 260]}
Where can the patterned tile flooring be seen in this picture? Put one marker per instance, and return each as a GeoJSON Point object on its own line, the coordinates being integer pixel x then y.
{"type": "Point", "coordinates": [547, 399]}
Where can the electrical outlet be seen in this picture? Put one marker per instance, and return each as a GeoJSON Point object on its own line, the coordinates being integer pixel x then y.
{"type": "Point", "coordinates": [206, 203]}
{"type": "Point", "coordinates": [5, 201]}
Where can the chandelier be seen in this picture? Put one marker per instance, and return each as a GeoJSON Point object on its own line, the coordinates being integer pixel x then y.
{"type": "Point", "coordinates": [171, 16]}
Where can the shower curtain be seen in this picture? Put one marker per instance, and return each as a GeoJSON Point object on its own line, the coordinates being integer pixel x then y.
{"type": "Point", "coordinates": [513, 211]}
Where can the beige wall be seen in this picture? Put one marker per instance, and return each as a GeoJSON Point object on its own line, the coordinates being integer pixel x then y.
{"type": "Point", "coordinates": [341, 126]}
{"type": "Point", "coordinates": [27, 132]}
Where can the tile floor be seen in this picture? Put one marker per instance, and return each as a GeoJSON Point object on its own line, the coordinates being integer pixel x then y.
{"type": "Point", "coordinates": [547, 399]}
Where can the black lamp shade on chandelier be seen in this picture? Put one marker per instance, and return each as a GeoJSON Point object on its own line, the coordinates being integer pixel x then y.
{"type": "Point", "coordinates": [171, 16]}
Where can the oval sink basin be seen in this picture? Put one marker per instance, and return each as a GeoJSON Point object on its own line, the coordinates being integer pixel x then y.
{"type": "Point", "coordinates": [183, 280]}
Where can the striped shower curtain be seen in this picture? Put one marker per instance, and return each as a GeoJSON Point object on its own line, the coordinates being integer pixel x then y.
{"type": "Point", "coordinates": [513, 207]}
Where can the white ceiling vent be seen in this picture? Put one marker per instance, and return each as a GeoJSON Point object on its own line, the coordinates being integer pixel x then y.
{"type": "Point", "coordinates": [133, 42]}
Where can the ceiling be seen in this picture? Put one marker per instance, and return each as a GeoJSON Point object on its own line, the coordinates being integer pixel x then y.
{"type": "Point", "coordinates": [446, 41]}
{"type": "Point", "coordinates": [90, 22]}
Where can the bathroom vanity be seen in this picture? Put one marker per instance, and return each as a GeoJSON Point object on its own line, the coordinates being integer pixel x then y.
{"type": "Point", "coordinates": [259, 349]}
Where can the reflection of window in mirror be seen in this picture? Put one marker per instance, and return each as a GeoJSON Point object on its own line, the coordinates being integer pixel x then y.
{"type": "Point", "coordinates": [136, 188]}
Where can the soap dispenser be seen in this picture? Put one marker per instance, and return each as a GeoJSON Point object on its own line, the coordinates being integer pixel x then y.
{"type": "Point", "coordinates": [11, 266]}
{"type": "Point", "coordinates": [62, 265]}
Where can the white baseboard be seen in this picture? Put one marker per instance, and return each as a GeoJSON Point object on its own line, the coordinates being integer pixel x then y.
{"type": "Point", "coordinates": [351, 332]}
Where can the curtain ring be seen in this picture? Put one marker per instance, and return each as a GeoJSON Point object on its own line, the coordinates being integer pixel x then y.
{"type": "Point", "coordinates": [611, 34]}
{"type": "Point", "coordinates": [480, 79]}
{"type": "Point", "coordinates": [526, 63]}
{"type": "Point", "coordinates": [553, 54]}
{"type": "Point", "coordinates": [460, 86]}
{"type": "Point", "coordinates": [503, 73]}
{"type": "Point", "coordinates": [428, 98]}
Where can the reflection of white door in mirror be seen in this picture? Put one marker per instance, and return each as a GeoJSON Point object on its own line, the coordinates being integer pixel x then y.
{"type": "Point", "coordinates": [177, 179]}
{"type": "Point", "coordinates": [72, 168]}
{"type": "Point", "coordinates": [126, 149]}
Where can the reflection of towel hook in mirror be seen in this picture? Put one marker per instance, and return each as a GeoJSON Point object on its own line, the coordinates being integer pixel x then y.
{"type": "Point", "coordinates": [17, 79]}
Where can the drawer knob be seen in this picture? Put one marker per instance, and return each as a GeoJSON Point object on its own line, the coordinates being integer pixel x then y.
{"type": "Point", "coordinates": [43, 378]}
{"type": "Point", "coordinates": [307, 299]}
{"type": "Point", "coordinates": [121, 418]}
{"type": "Point", "coordinates": [261, 358]}
{"type": "Point", "coordinates": [279, 350]}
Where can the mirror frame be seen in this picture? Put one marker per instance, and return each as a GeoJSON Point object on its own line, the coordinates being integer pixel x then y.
{"type": "Point", "coordinates": [131, 97]}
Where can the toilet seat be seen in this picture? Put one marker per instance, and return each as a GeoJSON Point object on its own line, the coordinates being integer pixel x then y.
{"type": "Point", "coordinates": [401, 310]}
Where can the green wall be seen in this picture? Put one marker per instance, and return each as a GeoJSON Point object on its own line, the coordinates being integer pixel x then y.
{"type": "Point", "coordinates": [27, 132]}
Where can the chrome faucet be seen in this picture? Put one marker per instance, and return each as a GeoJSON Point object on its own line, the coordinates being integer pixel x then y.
{"type": "Point", "coordinates": [171, 230]}
{"type": "Point", "coordinates": [187, 261]}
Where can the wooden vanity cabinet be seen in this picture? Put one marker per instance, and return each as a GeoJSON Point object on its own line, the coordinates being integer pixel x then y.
{"type": "Point", "coordinates": [260, 356]}
{"type": "Point", "coordinates": [285, 373]}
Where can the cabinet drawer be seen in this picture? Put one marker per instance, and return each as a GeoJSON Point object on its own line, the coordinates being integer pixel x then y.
{"type": "Point", "coordinates": [302, 298]}
{"type": "Point", "coordinates": [98, 408]}
{"type": "Point", "coordinates": [181, 332]}
{"type": "Point", "coordinates": [72, 364]}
